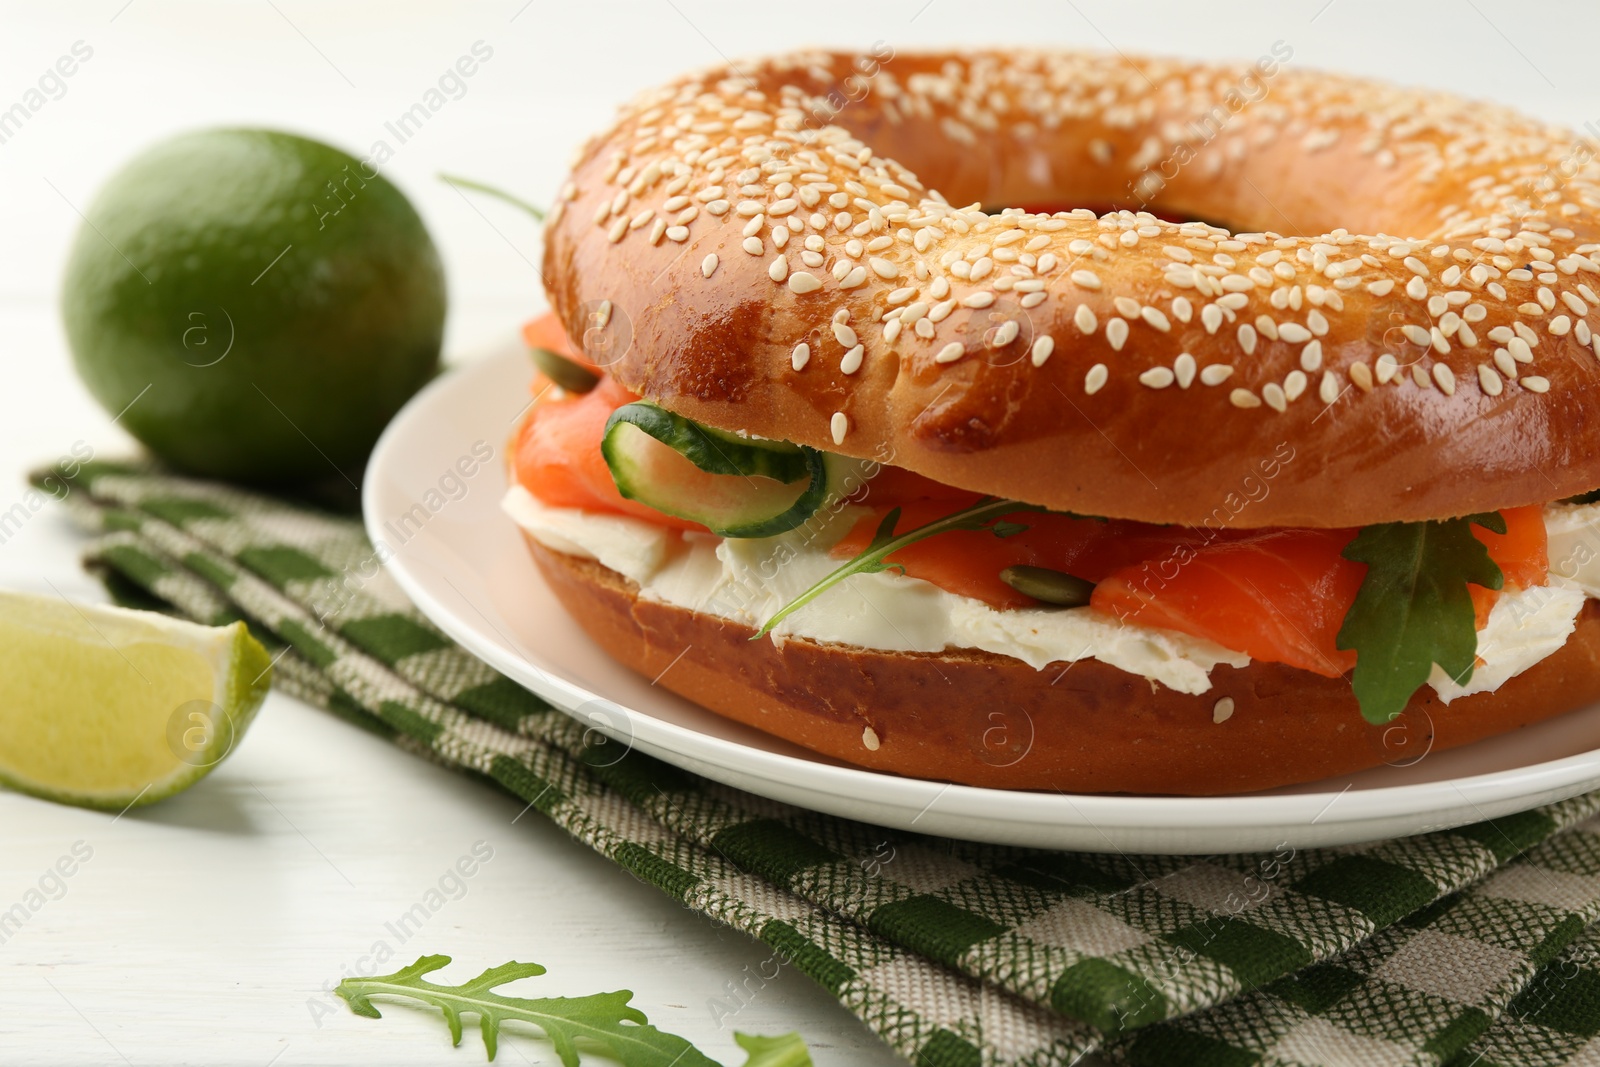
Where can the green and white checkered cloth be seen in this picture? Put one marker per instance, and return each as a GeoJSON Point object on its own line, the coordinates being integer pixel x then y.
{"type": "Point", "coordinates": [1460, 946]}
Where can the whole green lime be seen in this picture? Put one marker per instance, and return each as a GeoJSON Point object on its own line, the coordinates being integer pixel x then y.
{"type": "Point", "coordinates": [254, 305]}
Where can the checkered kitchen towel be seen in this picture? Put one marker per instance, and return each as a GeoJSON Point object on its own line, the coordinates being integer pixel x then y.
{"type": "Point", "coordinates": [1460, 946]}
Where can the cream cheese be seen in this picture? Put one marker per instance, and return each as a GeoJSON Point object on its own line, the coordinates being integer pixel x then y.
{"type": "Point", "coordinates": [1523, 628]}
{"type": "Point", "coordinates": [747, 580]}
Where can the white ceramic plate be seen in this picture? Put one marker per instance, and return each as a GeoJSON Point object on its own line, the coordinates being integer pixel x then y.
{"type": "Point", "coordinates": [465, 565]}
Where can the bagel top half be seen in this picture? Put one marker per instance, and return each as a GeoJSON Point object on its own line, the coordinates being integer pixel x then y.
{"type": "Point", "coordinates": [1400, 306]}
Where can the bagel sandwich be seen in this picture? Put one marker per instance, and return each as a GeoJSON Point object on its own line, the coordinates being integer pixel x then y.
{"type": "Point", "coordinates": [1289, 472]}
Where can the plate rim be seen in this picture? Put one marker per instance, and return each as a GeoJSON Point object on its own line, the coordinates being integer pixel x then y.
{"type": "Point", "coordinates": [673, 742]}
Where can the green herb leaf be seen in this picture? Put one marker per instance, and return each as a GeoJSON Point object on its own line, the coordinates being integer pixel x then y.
{"type": "Point", "coordinates": [784, 1050]}
{"type": "Point", "coordinates": [1414, 608]}
{"type": "Point", "coordinates": [605, 1019]}
{"type": "Point", "coordinates": [885, 543]}
{"type": "Point", "coordinates": [497, 193]}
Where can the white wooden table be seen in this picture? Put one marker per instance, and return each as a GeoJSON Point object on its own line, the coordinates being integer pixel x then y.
{"type": "Point", "coordinates": [206, 929]}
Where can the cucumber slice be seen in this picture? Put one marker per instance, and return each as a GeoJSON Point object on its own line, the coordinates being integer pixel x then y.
{"type": "Point", "coordinates": [734, 486]}
{"type": "Point", "coordinates": [567, 373]}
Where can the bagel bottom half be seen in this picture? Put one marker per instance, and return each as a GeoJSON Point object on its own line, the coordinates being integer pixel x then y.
{"type": "Point", "coordinates": [982, 719]}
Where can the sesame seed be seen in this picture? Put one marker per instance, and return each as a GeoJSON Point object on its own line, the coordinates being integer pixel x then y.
{"type": "Point", "coordinates": [802, 282]}
{"type": "Point", "coordinates": [1380, 288]}
{"type": "Point", "coordinates": [800, 356]}
{"type": "Point", "coordinates": [1126, 306]}
{"type": "Point", "coordinates": [1084, 319]}
{"type": "Point", "coordinates": [844, 335]}
{"type": "Point", "coordinates": [1095, 379]}
{"type": "Point", "coordinates": [1247, 338]}
{"type": "Point", "coordinates": [1386, 368]}
{"type": "Point", "coordinates": [1222, 710]}
{"type": "Point", "coordinates": [950, 353]}
{"type": "Point", "coordinates": [1042, 347]}
{"type": "Point", "coordinates": [851, 362]}
{"type": "Point", "coordinates": [1244, 398]}
{"type": "Point", "coordinates": [1183, 370]}
{"type": "Point", "coordinates": [1158, 377]}
{"type": "Point", "coordinates": [1416, 266]}
{"type": "Point", "coordinates": [1085, 279]}
{"type": "Point", "coordinates": [1216, 374]}
{"type": "Point", "coordinates": [1293, 332]}
{"type": "Point", "coordinates": [869, 739]}
{"type": "Point", "coordinates": [839, 425]}
{"type": "Point", "coordinates": [1417, 289]}
{"type": "Point", "coordinates": [1311, 356]}
{"type": "Point", "coordinates": [1535, 384]}
{"type": "Point", "coordinates": [1518, 347]}
{"type": "Point", "coordinates": [1361, 375]}
{"type": "Point", "coordinates": [1416, 334]}
{"type": "Point", "coordinates": [1211, 318]}
{"type": "Point", "coordinates": [1294, 384]}
{"type": "Point", "coordinates": [778, 270]}
{"type": "Point", "coordinates": [1328, 391]}
{"type": "Point", "coordinates": [1274, 396]}
{"type": "Point", "coordinates": [856, 277]}
{"type": "Point", "coordinates": [1446, 379]}
{"type": "Point", "coordinates": [1117, 333]}
{"type": "Point", "coordinates": [1489, 380]}
{"type": "Point", "coordinates": [754, 246]}
{"type": "Point", "coordinates": [1182, 310]}
{"type": "Point", "coordinates": [977, 300]}
{"type": "Point", "coordinates": [708, 266]}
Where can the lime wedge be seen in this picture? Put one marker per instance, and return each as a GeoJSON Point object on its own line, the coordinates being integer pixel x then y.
{"type": "Point", "coordinates": [108, 708]}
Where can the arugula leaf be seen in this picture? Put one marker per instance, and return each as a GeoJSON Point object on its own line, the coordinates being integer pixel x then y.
{"type": "Point", "coordinates": [497, 193]}
{"type": "Point", "coordinates": [785, 1050]}
{"type": "Point", "coordinates": [1414, 609]}
{"type": "Point", "coordinates": [603, 1018]}
{"type": "Point", "coordinates": [885, 542]}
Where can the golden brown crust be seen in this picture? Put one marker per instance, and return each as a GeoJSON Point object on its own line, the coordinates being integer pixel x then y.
{"type": "Point", "coordinates": [982, 719]}
{"type": "Point", "coordinates": [1421, 379]}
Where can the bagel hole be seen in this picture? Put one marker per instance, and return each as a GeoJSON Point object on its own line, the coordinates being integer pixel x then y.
{"type": "Point", "coordinates": [1167, 214]}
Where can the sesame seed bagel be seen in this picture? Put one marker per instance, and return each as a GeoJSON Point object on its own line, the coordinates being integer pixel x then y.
{"type": "Point", "coordinates": [772, 247]}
